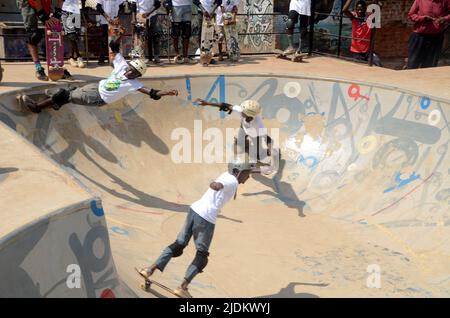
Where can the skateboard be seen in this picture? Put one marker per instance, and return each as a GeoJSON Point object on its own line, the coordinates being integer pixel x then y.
{"type": "Point", "coordinates": [207, 42]}
{"type": "Point", "coordinates": [115, 32]}
{"type": "Point", "coordinates": [294, 57]}
{"type": "Point", "coordinates": [139, 39]}
{"type": "Point", "coordinates": [146, 286]}
{"type": "Point", "coordinates": [231, 36]}
{"type": "Point", "coordinates": [54, 44]}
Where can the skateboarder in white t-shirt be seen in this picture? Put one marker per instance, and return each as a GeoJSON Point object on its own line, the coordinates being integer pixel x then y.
{"type": "Point", "coordinates": [200, 223]}
{"type": "Point", "coordinates": [122, 82]}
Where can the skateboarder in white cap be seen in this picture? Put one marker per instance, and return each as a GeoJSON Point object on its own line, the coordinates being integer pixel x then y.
{"type": "Point", "coordinates": [200, 223]}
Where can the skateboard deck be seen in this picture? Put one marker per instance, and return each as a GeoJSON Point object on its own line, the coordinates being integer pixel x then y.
{"type": "Point", "coordinates": [294, 57]}
{"type": "Point", "coordinates": [115, 32]}
{"type": "Point", "coordinates": [54, 44]}
{"type": "Point", "coordinates": [139, 39]}
{"type": "Point", "coordinates": [231, 36]}
{"type": "Point", "coordinates": [147, 285]}
{"type": "Point", "coordinates": [207, 42]}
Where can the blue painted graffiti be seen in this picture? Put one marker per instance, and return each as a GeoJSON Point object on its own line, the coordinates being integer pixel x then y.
{"type": "Point", "coordinates": [98, 211]}
{"type": "Point", "coordinates": [402, 182]}
{"type": "Point", "coordinates": [119, 230]}
{"type": "Point", "coordinates": [310, 161]}
{"type": "Point", "coordinates": [425, 102]}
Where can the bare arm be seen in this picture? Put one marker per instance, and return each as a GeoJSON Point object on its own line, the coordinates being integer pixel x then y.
{"type": "Point", "coordinates": [43, 16]}
{"type": "Point", "coordinates": [346, 9]}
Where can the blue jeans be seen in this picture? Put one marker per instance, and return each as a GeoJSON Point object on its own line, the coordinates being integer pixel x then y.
{"type": "Point", "coordinates": [202, 231]}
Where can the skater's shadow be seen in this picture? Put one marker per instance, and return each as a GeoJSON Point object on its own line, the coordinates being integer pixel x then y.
{"type": "Point", "coordinates": [138, 197]}
{"type": "Point", "coordinates": [289, 291]}
{"type": "Point", "coordinates": [136, 132]}
{"type": "Point", "coordinates": [281, 190]}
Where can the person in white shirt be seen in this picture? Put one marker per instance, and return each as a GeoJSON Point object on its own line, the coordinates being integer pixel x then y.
{"type": "Point", "coordinates": [298, 10]}
{"type": "Point", "coordinates": [200, 223]}
{"type": "Point", "coordinates": [119, 84]}
{"type": "Point", "coordinates": [146, 28]}
{"type": "Point", "coordinates": [180, 12]}
{"type": "Point", "coordinates": [227, 6]}
{"type": "Point", "coordinates": [252, 128]}
{"type": "Point", "coordinates": [109, 14]}
{"type": "Point", "coordinates": [207, 10]}
{"type": "Point", "coordinates": [71, 20]}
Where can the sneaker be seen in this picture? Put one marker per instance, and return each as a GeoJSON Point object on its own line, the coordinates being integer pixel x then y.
{"type": "Point", "coordinates": [80, 62]}
{"type": "Point", "coordinates": [220, 57]}
{"type": "Point", "coordinates": [188, 60]}
{"type": "Point", "coordinates": [182, 293]}
{"type": "Point", "coordinates": [101, 62]}
{"type": "Point", "coordinates": [289, 50]}
{"type": "Point", "coordinates": [40, 75]}
{"type": "Point", "coordinates": [29, 103]}
{"type": "Point", "coordinates": [73, 62]}
{"type": "Point", "coordinates": [179, 59]}
{"type": "Point", "coordinates": [67, 75]}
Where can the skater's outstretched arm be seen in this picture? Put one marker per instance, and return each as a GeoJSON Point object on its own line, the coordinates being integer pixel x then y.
{"type": "Point", "coordinates": [157, 94]}
{"type": "Point", "coordinates": [222, 106]}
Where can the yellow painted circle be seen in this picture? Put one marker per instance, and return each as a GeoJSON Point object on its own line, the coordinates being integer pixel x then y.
{"type": "Point", "coordinates": [367, 144]}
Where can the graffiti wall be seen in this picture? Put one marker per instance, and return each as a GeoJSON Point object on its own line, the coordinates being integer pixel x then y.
{"type": "Point", "coordinates": [66, 254]}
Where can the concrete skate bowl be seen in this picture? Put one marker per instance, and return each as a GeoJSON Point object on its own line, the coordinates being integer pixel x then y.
{"type": "Point", "coordinates": [358, 207]}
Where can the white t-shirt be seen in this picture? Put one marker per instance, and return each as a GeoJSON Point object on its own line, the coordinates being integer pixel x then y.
{"type": "Point", "coordinates": [208, 207]}
{"type": "Point", "coordinates": [117, 86]}
{"type": "Point", "coordinates": [179, 3]}
{"type": "Point", "coordinates": [301, 6]}
{"type": "Point", "coordinates": [254, 128]}
{"type": "Point", "coordinates": [145, 6]}
{"type": "Point", "coordinates": [71, 6]}
{"type": "Point", "coordinates": [111, 8]}
{"type": "Point", "coordinates": [227, 6]}
{"type": "Point", "coordinates": [208, 5]}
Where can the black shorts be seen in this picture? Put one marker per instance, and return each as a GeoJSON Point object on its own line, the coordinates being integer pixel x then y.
{"type": "Point", "coordinates": [294, 16]}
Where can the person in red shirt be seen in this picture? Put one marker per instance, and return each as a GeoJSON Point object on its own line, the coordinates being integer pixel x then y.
{"type": "Point", "coordinates": [431, 18]}
{"type": "Point", "coordinates": [31, 11]}
{"type": "Point", "coordinates": [361, 32]}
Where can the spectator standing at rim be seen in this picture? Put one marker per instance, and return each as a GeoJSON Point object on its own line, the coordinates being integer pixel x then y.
{"type": "Point", "coordinates": [431, 18]}
{"type": "Point", "coordinates": [299, 10]}
{"type": "Point", "coordinates": [71, 19]}
{"type": "Point", "coordinates": [361, 32]}
{"type": "Point", "coordinates": [180, 12]}
{"type": "Point", "coordinates": [32, 11]}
